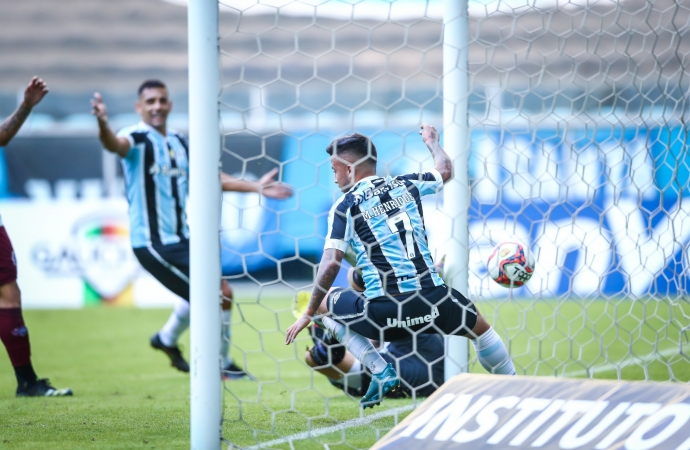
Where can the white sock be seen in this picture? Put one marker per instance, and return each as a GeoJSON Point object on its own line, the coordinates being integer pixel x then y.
{"type": "Point", "coordinates": [356, 344]}
{"type": "Point", "coordinates": [177, 323]}
{"type": "Point", "coordinates": [493, 354]}
{"type": "Point", "coordinates": [225, 338]}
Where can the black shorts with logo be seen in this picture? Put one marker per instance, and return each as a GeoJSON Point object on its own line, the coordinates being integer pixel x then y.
{"type": "Point", "coordinates": [168, 264]}
{"type": "Point", "coordinates": [391, 318]}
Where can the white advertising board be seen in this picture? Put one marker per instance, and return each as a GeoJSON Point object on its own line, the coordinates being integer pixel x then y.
{"type": "Point", "coordinates": [74, 253]}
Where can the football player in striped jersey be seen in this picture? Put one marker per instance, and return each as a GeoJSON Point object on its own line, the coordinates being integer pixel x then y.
{"type": "Point", "coordinates": [382, 219]}
{"type": "Point", "coordinates": [155, 163]}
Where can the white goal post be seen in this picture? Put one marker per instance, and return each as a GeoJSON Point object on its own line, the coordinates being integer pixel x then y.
{"type": "Point", "coordinates": [204, 218]}
{"type": "Point", "coordinates": [457, 144]}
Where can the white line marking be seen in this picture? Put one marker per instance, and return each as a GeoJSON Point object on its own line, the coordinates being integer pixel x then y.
{"type": "Point", "coordinates": [628, 361]}
{"type": "Point", "coordinates": [361, 421]}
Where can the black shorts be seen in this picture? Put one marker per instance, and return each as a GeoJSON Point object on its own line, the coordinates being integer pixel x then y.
{"type": "Point", "coordinates": [430, 311]}
{"type": "Point", "coordinates": [168, 264]}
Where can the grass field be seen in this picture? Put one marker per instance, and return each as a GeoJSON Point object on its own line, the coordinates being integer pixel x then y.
{"type": "Point", "coordinates": [126, 396]}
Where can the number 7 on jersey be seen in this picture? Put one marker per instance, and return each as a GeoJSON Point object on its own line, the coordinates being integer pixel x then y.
{"type": "Point", "coordinates": [393, 222]}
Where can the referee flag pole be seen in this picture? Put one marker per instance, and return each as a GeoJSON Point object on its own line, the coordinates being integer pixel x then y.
{"type": "Point", "coordinates": [204, 218]}
{"type": "Point", "coordinates": [456, 142]}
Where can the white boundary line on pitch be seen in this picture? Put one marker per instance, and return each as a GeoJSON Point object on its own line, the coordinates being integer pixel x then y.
{"type": "Point", "coordinates": [342, 426]}
{"type": "Point", "coordinates": [629, 361]}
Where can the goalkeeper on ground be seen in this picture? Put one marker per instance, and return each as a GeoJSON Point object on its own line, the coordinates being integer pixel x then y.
{"type": "Point", "coordinates": [383, 221]}
{"type": "Point", "coordinates": [418, 361]}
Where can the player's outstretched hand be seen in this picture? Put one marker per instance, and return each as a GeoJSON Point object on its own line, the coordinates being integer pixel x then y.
{"type": "Point", "coordinates": [295, 328]}
{"type": "Point", "coordinates": [98, 108]}
{"type": "Point", "coordinates": [429, 134]}
{"type": "Point", "coordinates": [273, 189]}
{"type": "Point", "coordinates": [35, 91]}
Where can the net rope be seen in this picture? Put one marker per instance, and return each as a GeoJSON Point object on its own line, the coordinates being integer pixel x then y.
{"type": "Point", "coordinates": [578, 149]}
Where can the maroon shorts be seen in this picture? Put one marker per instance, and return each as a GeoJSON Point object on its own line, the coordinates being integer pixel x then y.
{"type": "Point", "coordinates": [8, 261]}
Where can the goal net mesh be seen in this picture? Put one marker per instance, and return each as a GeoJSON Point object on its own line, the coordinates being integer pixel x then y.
{"type": "Point", "coordinates": [578, 149]}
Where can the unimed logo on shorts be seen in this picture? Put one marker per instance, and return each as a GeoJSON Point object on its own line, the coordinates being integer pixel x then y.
{"type": "Point", "coordinates": [496, 412]}
{"type": "Point", "coordinates": [408, 322]}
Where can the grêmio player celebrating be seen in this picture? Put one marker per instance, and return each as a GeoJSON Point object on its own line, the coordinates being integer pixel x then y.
{"type": "Point", "coordinates": [155, 164]}
{"type": "Point", "coordinates": [383, 221]}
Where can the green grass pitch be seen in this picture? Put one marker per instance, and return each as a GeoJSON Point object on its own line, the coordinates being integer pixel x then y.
{"type": "Point", "coordinates": [126, 395]}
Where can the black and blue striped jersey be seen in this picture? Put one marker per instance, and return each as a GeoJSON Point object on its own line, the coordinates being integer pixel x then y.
{"type": "Point", "coordinates": [383, 220]}
{"type": "Point", "coordinates": [156, 176]}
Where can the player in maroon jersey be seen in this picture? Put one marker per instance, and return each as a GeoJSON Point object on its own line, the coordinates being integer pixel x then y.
{"type": "Point", "coordinates": [13, 331]}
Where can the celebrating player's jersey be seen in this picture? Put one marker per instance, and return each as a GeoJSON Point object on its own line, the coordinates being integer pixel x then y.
{"type": "Point", "coordinates": [383, 220]}
{"type": "Point", "coordinates": [156, 171]}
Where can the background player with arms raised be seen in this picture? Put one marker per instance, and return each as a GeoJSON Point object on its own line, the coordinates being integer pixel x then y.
{"type": "Point", "coordinates": [383, 220]}
{"type": "Point", "coordinates": [13, 331]}
{"type": "Point", "coordinates": [155, 164]}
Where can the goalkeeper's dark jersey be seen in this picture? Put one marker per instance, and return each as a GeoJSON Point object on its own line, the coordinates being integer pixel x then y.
{"type": "Point", "coordinates": [382, 219]}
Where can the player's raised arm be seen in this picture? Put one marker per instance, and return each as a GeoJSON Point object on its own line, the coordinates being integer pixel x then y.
{"type": "Point", "coordinates": [328, 269]}
{"type": "Point", "coordinates": [33, 94]}
{"type": "Point", "coordinates": [442, 161]}
{"type": "Point", "coordinates": [109, 139]}
{"type": "Point", "coordinates": [266, 185]}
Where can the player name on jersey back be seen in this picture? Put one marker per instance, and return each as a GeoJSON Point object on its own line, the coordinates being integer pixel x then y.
{"type": "Point", "coordinates": [390, 205]}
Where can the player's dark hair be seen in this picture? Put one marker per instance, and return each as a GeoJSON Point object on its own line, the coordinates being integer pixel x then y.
{"type": "Point", "coordinates": [357, 145]}
{"type": "Point", "coordinates": [148, 84]}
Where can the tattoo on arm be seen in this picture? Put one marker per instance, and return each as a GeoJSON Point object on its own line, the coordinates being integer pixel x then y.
{"type": "Point", "coordinates": [328, 270]}
{"type": "Point", "coordinates": [442, 162]}
{"type": "Point", "coordinates": [11, 126]}
{"type": "Point", "coordinates": [324, 281]}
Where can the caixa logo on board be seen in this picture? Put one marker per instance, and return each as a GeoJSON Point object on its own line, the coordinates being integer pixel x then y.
{"type": "Point", "coordinates": [97, 250]}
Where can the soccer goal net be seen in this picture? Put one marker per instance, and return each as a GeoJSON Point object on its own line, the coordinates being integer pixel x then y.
{"type": "Point", "coordinates": [577, 147]}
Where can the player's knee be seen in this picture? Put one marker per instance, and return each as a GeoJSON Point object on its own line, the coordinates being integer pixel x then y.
{"type": "Point", "coordinates": [481, 327]}
{"type": "Point", "coordinates": [226, 289]}
{"type": "Point", "coordinates": [10, 296]}
{"type": "Point", "coordinates": [308, 359]}
{"type": "Point", "coordinates": [226, 292]}
{"type": "Point", "coordinates": [323, 307]}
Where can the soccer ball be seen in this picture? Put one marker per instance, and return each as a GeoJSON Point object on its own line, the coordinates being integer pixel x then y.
{"type": "Point", "coordinates": [511, 264]}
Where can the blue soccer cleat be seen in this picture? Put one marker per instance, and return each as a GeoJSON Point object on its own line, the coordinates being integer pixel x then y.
{"type": "Point", "coordinates": [381, 384]}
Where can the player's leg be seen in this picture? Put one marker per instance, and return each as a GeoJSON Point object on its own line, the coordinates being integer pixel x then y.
{"type": "Point", "coordinates": [13, 332]}
{"type": "Point", "coordinates": [231, 371]}
{"type": "Point", "coordinates": [490, 349]}
{"type": "Point", "coordinates": [328, 356]}
{"type": "Point", "coordinates": [459, 316]}
{"type": "Point", "coordinates": [334, 369]}
{"type": "Point", "coordinates": [166, 338]}
{"type": "Point", "coordinates": [170, 265]}
{"type": "Point", "coordinates": [354, 274]}
{"type": "Point", "coordinates": [348, 317]}
{"type": "Point", "coordinates": [347, 374]}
